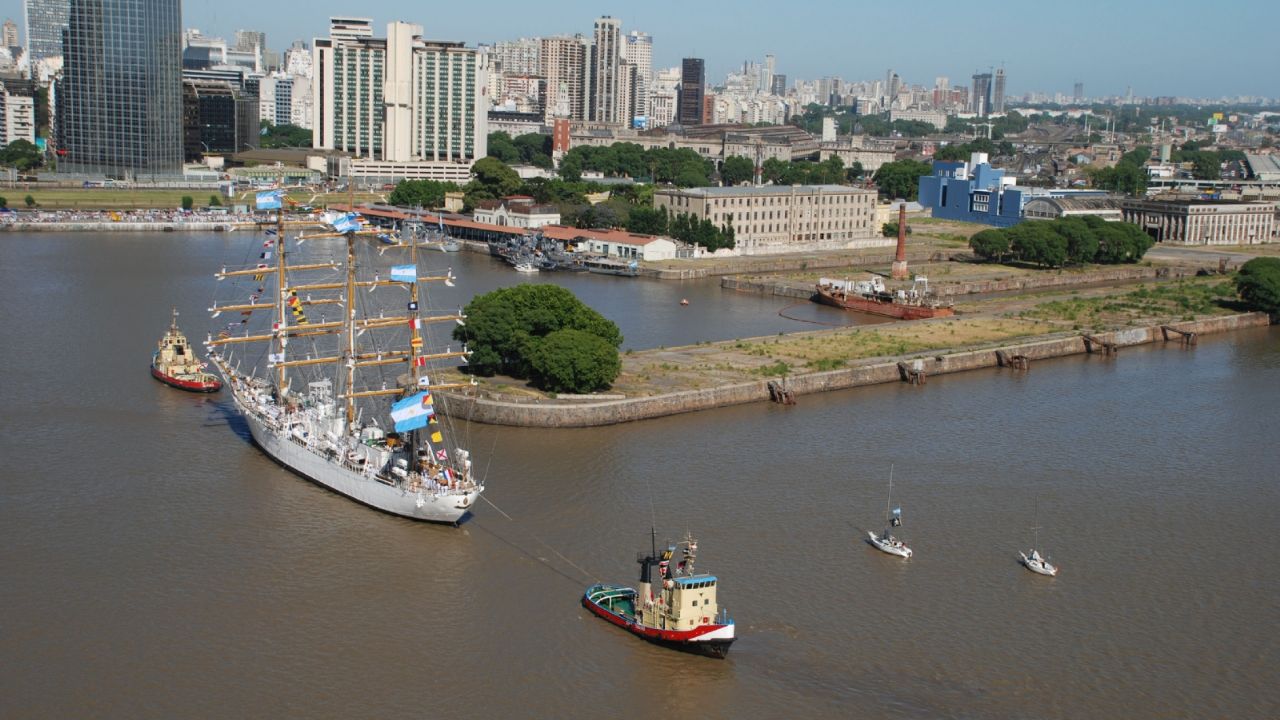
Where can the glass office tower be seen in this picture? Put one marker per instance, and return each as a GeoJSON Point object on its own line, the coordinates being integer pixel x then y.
{"type": "Point", "coordinates": [120, 99]}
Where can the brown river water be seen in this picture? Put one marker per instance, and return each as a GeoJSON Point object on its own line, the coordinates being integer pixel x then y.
{"type": "Point", "coordinates": [156, 565]}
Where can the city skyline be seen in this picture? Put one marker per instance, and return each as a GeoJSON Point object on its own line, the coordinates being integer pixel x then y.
{"type": "Point", "coordinates": [852, 41]}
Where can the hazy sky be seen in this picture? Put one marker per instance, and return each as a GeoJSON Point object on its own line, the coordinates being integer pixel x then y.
{"type": "Point", "coordinates": [1168, 47]}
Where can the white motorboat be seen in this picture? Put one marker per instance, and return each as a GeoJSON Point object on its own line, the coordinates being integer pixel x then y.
{"type": "Point", "coordinates": [890, 544]}
{"type": "Point", "coordinates": [1038, 564]}
{"type": "Point", "coordinates": [526, 267]}
{"type": "Point", "coordinates": [885, 541]}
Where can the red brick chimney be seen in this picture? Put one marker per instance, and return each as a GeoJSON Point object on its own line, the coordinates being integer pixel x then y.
{"type": "Point", "coordinates": [900, 262]}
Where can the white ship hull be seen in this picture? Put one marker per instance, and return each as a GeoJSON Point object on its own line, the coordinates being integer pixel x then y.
{"type": "Point", "coordinates": [1038, 565]}
{"type": "Point", "coordinates": [890, 546]}
{"type": "Point", "coordinates": [444, 507]}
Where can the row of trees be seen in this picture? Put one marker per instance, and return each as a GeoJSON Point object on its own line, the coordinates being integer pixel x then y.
{"type": "Point", "coordinates": [1064, 241]}
{"type": "Point", "coordinates": [957, 152]}
{"type": "Point", "coordinates": [283, 136]}
{"type": "Point", "coordinates": [681, 167]}
{"type": "Point", "coordinates": [901, 178]}
{"type": "Point", "coordinates": [22, 155]}
{"type": "Point", "coordinates": [542, 333]}
{"type": "Point", "coordinates": [1128, 176]}
{"type": "Point", "coordinates": [682, 227]}
{"type": "Point", "coordinates": [531, 148]}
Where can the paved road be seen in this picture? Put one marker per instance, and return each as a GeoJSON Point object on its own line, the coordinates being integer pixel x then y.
{"type": "Point", "coordinates": [1196, 256]}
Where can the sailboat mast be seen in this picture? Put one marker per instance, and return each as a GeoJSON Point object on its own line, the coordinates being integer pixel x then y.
{"type": "Point", "coordinates": [351, 329]}
{"type": "Point", "coordinates": [280, 336]}
{"type": "Point", "coordinates": [888, 501]}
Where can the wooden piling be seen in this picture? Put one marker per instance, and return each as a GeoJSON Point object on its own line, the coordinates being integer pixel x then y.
{"type": "Point", "coordinates": [1186, 337]}
{"type": "Point", "coordinates": [912, 376]}
{"type": "Point", "coordinates": [1108, 348]}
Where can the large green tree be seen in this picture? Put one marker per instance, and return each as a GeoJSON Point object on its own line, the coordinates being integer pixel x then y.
{"type": "Point", "coordinates": [420, 193]}
{"type": "Point", "coordinates": [573, 361]}
{"type": "Point", "coordinates": [494, 176]}
{"type": "Point", "coordinates": [737, 170]}
{"type": "Point", "coordinates": [1258, 283]}
{"type": "Point", "coordinates": [503, 327]}
{"type": "Point", "coordinates": [283, 136]}
{"type": "Point", "coordinates": [901, 178]}
{"type": "Point", "coordinates": [1123, 178]}
{"type": "Point", "coordinates": [20, 154]}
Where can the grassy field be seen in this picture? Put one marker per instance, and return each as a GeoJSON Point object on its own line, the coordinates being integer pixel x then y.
{"type": "Point", "coordinates": [125, 199]}
{"type": "Point", "coordinates": [984, 324]}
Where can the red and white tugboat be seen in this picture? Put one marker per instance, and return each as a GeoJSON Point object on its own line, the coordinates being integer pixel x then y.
{"type": "Point", "coordinates": [675, 607]}
{"type": "Point", "coordinates": [174, 363]}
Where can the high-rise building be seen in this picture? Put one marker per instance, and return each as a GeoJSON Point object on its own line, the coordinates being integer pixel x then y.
{"type": "Point", "coordinates": [218, 117]}
{"type": "Point", "coordinates": [766, 74]}
{"type": "Point", "coordinates": [46, 20]}
{"type": "Point", "coordinates": [1078, 93]}
{"type": "Point", "coordinates": [518, 57]}
{"type": "Point", "coordinates": [17, 117]}
{"type": "Point", "coordinates": [250, 40]}
{"type": "Point", "coordinates": [120, 99]}
{"type": "Point", "coordinates": [297, 60]}
{"type": "Point", "coordinates": [779, 87]}
{"type": "Point", "coordinates": [997, 92]}
{"type": "Point", "coordinates": [693, 80]}
{"type": "Point", "coordinates": [10, 33]}
{"type": "Point", "coordinates": [399, 99]}
{"type": "Point", "coordinates": [564, 65]}
{"type": "Point", "coordinates": [980, 100]}
{"type": "Point", "coordinates": [606, 71]}
{"type": "Point", "coordinates": [638, 51]}
{"type": "Point", "coordinates": [347, 84]}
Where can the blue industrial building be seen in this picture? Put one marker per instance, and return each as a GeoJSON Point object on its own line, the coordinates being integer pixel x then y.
{"type": "Point", "coordinates": [972, 192]}
{"type": "Point", "coordinates": [978, 193]}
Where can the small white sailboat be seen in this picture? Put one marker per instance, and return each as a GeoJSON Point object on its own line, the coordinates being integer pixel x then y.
{"type": "Point", "coordinates": [1034, 561]}
{"type": "Point", "coordinates": [885, 541]}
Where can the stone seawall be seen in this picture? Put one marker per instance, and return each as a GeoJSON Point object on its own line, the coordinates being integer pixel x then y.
{"type": "Point", "coordinates": [552, 413]}
{"type": "Point", "coordinates": [120, 227]}
{"type": "Point", "coordinates": [772, 265]}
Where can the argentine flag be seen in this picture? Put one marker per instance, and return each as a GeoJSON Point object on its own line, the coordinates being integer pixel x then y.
{"type": "Point", "coordinates": [404, 273]}
{"type": "Point", "coordinates": [412, 412]}
{"type": "Point", "coordinates": [268, 200]}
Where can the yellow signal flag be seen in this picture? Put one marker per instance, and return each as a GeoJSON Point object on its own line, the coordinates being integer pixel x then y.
{"type": "Point", "coordinates": [437, 437]}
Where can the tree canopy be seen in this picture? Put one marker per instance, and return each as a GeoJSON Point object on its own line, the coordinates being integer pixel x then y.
{"type": "Point", "coordinates": [573, 361]}
{"type": "Point", "coordinates": [21, 154]}
{"type": "Point", "coordinates": [1064, 241]}
{"type": "Point", "coordinates": [282, 136]}
{"type": "Point", "coordinates": [531, 148]}
{"type": "Point", "coordinates": [506, 330]}
{"type": "Point", "coordinates": [683, 227]}
{"type": "Point", "coordinates": [901, 178]}
{"type": "Point", "coordinates": [1258, 283]}
{"type": "Point", "coordinates": [736, 170]}
{"type": "Point", "coordinates": [421, 193]}
{"type": "Point", "coordinates": [682, 166]}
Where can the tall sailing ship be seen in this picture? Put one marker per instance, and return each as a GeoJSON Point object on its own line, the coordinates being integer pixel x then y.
{"type": "Point", "coordinates": [324, 405]}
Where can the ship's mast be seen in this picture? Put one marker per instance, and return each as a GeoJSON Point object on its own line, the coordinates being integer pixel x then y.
{"type": "Point", "coordinates": [414, 336]}
{"type": "Point", "coordinates": [351, 329]}
{"type": "Point", "coordinates": [280, 334]}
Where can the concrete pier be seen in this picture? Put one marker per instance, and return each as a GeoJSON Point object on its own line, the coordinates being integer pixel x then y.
{"type": "Point", "coordinates": [580, 413]}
